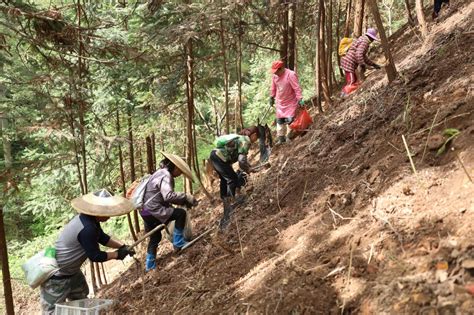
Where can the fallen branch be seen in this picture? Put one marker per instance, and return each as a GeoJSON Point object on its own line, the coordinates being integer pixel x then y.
{"type": "Point", "coordinates": [197, 238]}
{"type": "Point", "coordinates": [335, 271]}
{"type": "Point", "coordinates": [463, 167]}
{"type": "Point", "coordinates": [429, 134]}
{"type": "Point", "coordinates": [440, 123]}
{"type": "Point", "coordinates": [409, 155]}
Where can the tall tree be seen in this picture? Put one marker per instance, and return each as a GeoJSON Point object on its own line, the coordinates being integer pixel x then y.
{"type": "Point", "coordinates": [322, 54]}
{"type": "Point", "coordinates": [7, 147]}
{"type": "Point", "coordinates": [358, 17]}
{"type": "Point", "coordinates": [283, 9]}
{"type": "Point", "coordinates": [122, 173]}
{"type": "Point", "coordinates": [421, 18]}
{"type": "Point", "coordinates": [7, 286]}
{"type": "Point", "coordinates": [390, 67]}
{"type": "Point", "coordinates": [410, 18]}
{"type": "Point", "coordinates": [190, 109]}
{"type": "Point", "coordinates": [347, 22]}
{"type": "Point", "coordinates": [291, 34]}
{"type": "Point", "coordinates": [226, 74]}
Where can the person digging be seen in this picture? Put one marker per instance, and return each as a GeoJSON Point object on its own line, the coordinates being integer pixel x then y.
{"type": "Point", "coordinates": [357, 56]}
{"type": "Point", "coordinates": [80, 240]}
{"type": "Point", "coordinates": [157, 209]}
{"type": "Point", "coordinates": [230, 149]}
{"type": "Point", "coordinates": [285, 91]}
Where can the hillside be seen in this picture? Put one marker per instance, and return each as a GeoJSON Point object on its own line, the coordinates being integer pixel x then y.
{"type": "Point", "coordinates": [340, 221]}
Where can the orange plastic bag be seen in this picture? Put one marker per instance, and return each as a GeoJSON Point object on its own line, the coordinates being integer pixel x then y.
{"type": "Point", "coordinates": [302, 121]}
{"type": "Point", "coordinates": [348, 89]}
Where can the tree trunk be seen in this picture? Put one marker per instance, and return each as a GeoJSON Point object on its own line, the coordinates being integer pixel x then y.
{"type": "Point", "coordinates": [284, 31]}
{"type": "Point", "coordinates": [390, 67]}
{"type": "Point", "coordinates": [131, 153]}
{"type": "Point", "coordinates": [7, 286]}
{"type": "Point", "coordinates": [122, 175]}
{"type": "Point", "coordinates": [329, 40]}
{"type": "Point", "coordinates": [226, 76]}
{"type": "Point", "coordinates": [291, 34]}
{"type": "Point", "coordinates": [358, 17]}
{"type": "Point", "coordinates": [421, 18]}
{"type": "Point", "coordinates": [149, 155]}
{"type": "Point", "coordinates": [338, 37]}
{"type": "Point", "coordinates": [190, 111]}
{"type": "Point", "coordinates": [410, 18]}
{"type": "Point", "coordinates": [347, 22]}
{"type": "Point", "coordinates": [7, 147]}
{"type": "Point", "coordinates": [322, 55]}
{"type": "Point", "coordinates": [140, 156]}
{"type": "Point", "coordinates": [238, 111]}
{"type": "Point", "coordinates": [317, 68]}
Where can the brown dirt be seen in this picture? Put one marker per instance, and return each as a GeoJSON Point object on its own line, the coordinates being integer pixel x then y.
{"type": "Point", "coordinates": [285, 240]}
{"type": "Point", "coordinates": [339, 221]}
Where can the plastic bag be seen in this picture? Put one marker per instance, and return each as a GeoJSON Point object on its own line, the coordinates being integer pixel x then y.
{"type": "Point", "coordinates": [302, 121]}
{"type": "Point", "coordinates": [136, 196]}
{"type": "Point", "coordinates": [348, 89]}
{"type": "Point", "coordinates": [188, 229]}
{"type": "Point", "coordinates": [40, 267]}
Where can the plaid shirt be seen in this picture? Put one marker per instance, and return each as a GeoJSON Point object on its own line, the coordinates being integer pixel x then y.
{"type": "Point", "coordinates": [357, 55]}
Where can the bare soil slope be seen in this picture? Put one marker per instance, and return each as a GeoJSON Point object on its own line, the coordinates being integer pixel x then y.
{"type": "Point", "coordinates": [340, 221]}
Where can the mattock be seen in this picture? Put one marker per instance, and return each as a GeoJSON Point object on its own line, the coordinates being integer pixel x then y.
{"type": "Point", "coordinates": [144, 237]}
{"type": "Point", "coordinates": [191, 243]}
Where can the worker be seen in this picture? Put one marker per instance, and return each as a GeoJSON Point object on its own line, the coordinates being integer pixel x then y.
{"type": "Point", "coordinates": [230, 149]}
{"type": "Point", "coordinates": [286, 92]}
{"type": "Point", "coordinates": [80, 240]}
{"type": "Point", "coordinates": [357, 56]}
{"type": "Point", "coordinates": [157, 201]}
{"type": "Point", "coordinates": [437, 7]}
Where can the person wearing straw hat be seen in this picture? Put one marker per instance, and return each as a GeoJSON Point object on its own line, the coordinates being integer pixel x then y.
{"type": "Point", "coordinates": [286, 91]}
{"type": "Point", "coordinates": [230, 149]}
{"type": "Point", "coordinates": [357, 56]}
{"type": "Point", "coordinates": [157, 201]}
{"type": "Point", "coordinates": [80, 240]}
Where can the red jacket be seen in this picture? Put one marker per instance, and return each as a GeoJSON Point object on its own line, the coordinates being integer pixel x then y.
{"type": "Point", "coordinates": [357, 55]}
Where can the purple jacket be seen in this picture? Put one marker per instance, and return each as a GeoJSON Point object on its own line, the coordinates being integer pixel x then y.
{"type": "Point", "coordinates": [160, 194]}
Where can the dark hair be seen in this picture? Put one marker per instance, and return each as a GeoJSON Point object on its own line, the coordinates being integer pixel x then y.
{"type": "Point", "coordinates": [250, 131]}
{"type": "Point", "coordinates": [166, 163]}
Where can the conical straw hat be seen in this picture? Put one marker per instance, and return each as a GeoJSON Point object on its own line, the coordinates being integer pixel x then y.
{"type": "Point", "coordinates": [179, 162]}
{"type": "Point", "coordinates": [102, 204]}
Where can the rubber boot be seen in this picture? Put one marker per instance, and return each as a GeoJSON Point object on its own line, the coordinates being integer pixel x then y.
{"type": "Point", "coordinates": [150, 262]}
{"type": "Point", "coordinates": [227, 212]}
{"type": "Point", "coordinates": [281, 140]}
{"type": "Point", "coordinates": [178, 238]}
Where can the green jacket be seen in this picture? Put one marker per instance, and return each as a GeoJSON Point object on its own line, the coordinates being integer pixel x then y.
{"type": "Point", "coordinates": [232, 148]}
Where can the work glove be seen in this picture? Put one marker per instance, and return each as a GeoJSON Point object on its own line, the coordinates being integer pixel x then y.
{"type": "Point", "coordinates": [242, 178]}
{"type": "Point", "coordinates": [191, 201]}
{"type": "Point", "coordinates": [123, 251]}
{"type": "Point", "coordinates": [271, 101]}
{"type": "Point", "coordinates": [376, 66]}
{"type": "Point", "coordinates": [301, 102]}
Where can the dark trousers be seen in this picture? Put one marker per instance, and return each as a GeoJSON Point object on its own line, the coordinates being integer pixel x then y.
{"type": "Point", "coordinates": [178, 215]}
{"type": "Point", "coordinates": [437, 5]}
{"type": "Point", "coordinates": [227, 175]}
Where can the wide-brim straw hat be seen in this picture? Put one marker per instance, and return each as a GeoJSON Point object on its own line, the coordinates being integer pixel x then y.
{"type": "Point", "coordinates": [179, 163]}
{"type": "Point", "coordinates": [102, 203]}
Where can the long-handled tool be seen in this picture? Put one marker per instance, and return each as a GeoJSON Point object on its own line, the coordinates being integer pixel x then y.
{"type": "Point", "coordinates": [265, 114]}
{"type": "Point", "coordinates": [189, 244]}
{"type": "Point", "coordinates": [144, 237]}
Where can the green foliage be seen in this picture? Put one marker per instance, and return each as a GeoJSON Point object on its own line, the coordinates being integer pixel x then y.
{"type": "Point", "coordinates": [133, 64]}
{"type": "Point", "coordinates": [450, 134]}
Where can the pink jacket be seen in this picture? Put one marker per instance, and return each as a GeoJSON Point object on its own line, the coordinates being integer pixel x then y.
{"type": "Point", "coordinates": [287, 92]}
